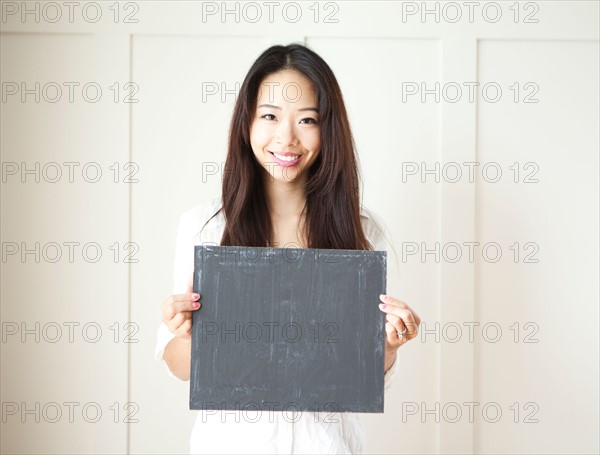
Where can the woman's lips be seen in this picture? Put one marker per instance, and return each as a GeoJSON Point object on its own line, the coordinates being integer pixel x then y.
{"type": "Point", "coordinates": [283, 159]}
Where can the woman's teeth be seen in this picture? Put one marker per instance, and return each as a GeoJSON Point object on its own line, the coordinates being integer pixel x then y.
{"type": "Point", "coordinates": [286, 158]}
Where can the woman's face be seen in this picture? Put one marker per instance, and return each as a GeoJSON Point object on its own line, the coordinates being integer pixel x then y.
{"type": "Point", "coordinates": [285, 132]}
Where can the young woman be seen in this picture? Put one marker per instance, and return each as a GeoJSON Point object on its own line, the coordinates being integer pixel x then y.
{"type": "Point", "coordinates": [290, 180]}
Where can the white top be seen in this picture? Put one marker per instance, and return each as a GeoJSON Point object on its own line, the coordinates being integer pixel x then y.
{"type": "Point", "coordinates": [247, 431]}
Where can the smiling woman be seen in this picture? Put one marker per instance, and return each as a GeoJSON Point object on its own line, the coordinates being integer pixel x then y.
{"type": "Point", "coordinates": [290, 104]}
{"type": "Point", "coordinates": [286, 128]}
{"type": "Point", "coordinates": [290, 180]}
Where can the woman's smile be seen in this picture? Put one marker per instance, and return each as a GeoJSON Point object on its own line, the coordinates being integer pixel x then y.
{"type": "Point", "coordinates": [286, 159]}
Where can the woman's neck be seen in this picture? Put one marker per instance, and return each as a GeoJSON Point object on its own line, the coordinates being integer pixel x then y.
{"type": "Point", "coordinates": [286, 200]}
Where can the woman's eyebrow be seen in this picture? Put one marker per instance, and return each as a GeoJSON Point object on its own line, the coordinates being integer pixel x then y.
{"type": "Point", "coordinates": [315, 109]}
{"type": "Point", "coordinates": [310, 109]}
{"type": "Point", "coordinates": [270, 105]}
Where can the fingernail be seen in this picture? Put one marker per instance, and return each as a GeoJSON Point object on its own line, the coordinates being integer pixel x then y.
{"type": "Point", "coordinates": [382, 306]}
{"type": "Point", "coordinates": [382, 296]}
{"type": "Point", "coordinates": [195, 296]}
{"type": "Point", "coordinates": [196, 305]}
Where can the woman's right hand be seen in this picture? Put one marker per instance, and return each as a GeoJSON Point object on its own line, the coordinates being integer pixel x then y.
{"type": "Point", "coordinates": [177, 312]}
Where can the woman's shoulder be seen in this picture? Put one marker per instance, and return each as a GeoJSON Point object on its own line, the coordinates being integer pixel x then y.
{"type": "Point", "coordinates": [205, 216]}
{"type": "Point", "coordinates": [203, 210]}
{"type": "Point", "coordinates": [373, 227]}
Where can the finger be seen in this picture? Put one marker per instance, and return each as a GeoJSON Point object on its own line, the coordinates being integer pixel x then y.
{"type": "Point", "coordinates": [175, 308]}
{"type": "Point", "coordinates": [176, 322]}
{"type": "Point", "coordinates": [181, 302]}
{"type": "Point", "coordinates": [392, 335]}
{"type": "Point", "coordinates": [185, 329]}
{"type": "Point", "coordinates": [183, 297]}
{"type": "Point", "coordinates": [393, 301]}
{"type": "Point", "coordinates": [399, 303]}
{"type": "Point", "coordinates": [417, 319]}
{"type": "Point", "coordinates": [398, 327]}
{"type": "Point", "coordinates": [406, 316]}
{"type": "Point", "coordinates": [190, 284]}
{"type": "Point", "coordinates": [396, 322]}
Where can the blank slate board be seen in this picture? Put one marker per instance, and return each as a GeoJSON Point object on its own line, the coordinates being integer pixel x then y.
{"type": "Point", "coordinates": [288, 329]}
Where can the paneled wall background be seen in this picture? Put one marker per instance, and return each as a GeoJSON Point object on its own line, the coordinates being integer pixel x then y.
{"type": "Point", "coordinates": [497, 250]}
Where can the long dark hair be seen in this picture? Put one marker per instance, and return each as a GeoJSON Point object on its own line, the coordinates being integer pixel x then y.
{"type": "Point", "coordinates": [332, 207]}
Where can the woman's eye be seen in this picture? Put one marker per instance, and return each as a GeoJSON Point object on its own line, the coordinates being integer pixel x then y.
{"type": "Point", "coordinates": [266, 117]}
{"type": "Point", "coordinates": [308, 120]}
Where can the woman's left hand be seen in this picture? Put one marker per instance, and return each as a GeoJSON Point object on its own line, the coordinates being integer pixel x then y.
{"type": "Point", "coordinates": [402, 325]}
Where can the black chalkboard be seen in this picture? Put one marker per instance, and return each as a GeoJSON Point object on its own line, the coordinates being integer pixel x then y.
{"type": "Point", "coordinates": [288, 329]}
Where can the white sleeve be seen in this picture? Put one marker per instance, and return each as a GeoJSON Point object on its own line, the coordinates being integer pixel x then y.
{"type": "Point", "coordinates": [163, 337]}
{"type": "Point", "coordinates": [183, 270]}
{"type": "Point", "coordinates": [376, 233]}
{"type": "Point", "coordinates": [390, 375]}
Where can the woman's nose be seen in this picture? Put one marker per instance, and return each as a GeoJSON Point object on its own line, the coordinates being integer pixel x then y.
{"type": "Point", "coordinates": [285, 133]}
